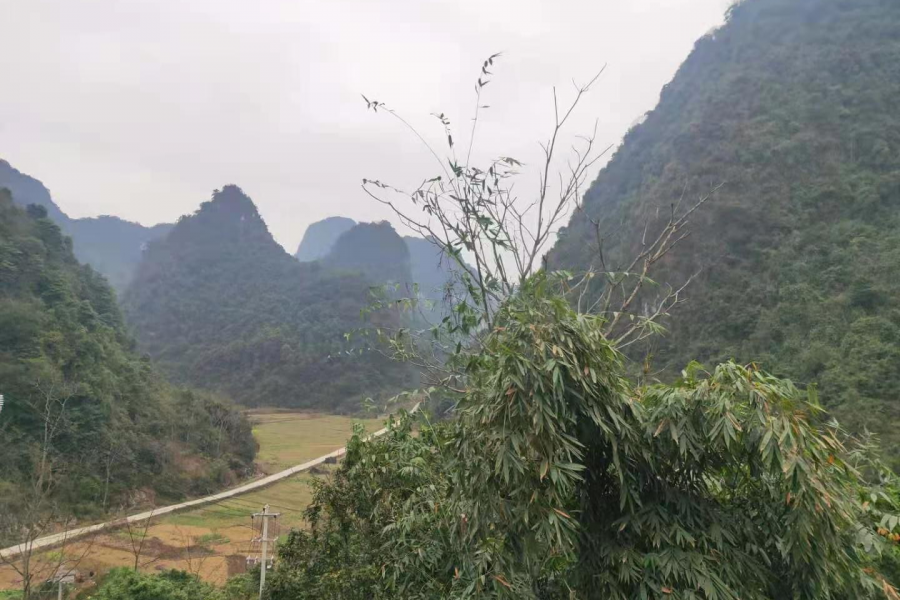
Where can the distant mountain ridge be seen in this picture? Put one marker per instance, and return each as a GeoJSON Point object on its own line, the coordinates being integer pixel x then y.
{"type": "Point", "coordinates": [320, 237]}
{"type": "Point", "coordinates": [220, 305]}
{"type": "Point", "coordinates": [109, 244]}
{"type": "Point", "coordinates": [374, 249]}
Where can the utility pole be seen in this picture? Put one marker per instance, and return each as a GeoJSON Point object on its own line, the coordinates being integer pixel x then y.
{"type": "Point", "coordinates": [264, 540]}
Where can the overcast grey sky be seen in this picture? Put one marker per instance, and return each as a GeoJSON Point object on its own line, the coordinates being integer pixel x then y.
{"type": "Point", "coordinates": [140, 108]}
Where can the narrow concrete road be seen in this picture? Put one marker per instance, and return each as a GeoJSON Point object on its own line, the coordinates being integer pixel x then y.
{"type": "Point", "coordinates": [60, 539]}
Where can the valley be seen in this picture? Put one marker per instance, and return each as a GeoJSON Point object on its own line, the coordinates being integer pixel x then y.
{"type": "Point", "coordinates": [655, 354]}
{"type": "Point", "coordinates": [213, 541]}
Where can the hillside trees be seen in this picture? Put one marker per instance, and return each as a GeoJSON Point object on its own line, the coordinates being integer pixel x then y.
{"type": "Point", "coordinates": [792, 104]}
{"type": "Point", "coordinates": [112, 246]}
{"type": "Point", "coordinates": [220, 305]}
{"type": "Point", "coordinates": [79, 400]}
{"type": "Point", "coordinates": [373, 249]}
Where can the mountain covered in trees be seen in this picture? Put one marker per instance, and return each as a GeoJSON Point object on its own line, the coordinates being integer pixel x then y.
{"type": "Point", "coordinates": [320, 237]}
{"type": "Point", "coordinates": [791, 107]}
{"type": "Point", "coordinates": [219, 304]}
{"type": "Point", "coordinates": [370, 248]}
{"type": "Point", "coordinates": [374, 250]}
{"type": "Point", "coordinates": [109, 244]}
{"type": "Point", "coordinates": [86, 420]}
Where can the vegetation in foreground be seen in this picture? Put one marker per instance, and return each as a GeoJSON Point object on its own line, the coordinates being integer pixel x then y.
{"type": "Point", "coordinates": [561, 479]}
{"type": "Point", "coordinates": [558, 477]}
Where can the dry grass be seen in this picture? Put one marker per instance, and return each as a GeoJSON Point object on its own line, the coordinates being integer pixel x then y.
{"type": "Point", "coordinates": [288, 439]}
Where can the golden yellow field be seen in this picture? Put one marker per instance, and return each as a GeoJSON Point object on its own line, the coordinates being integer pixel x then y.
{"type": "Point", "coordinates": [214, 540]}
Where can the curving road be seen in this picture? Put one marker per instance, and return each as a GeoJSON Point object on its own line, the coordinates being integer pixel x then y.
{"type": "Point", "coordinates": [60, 539]}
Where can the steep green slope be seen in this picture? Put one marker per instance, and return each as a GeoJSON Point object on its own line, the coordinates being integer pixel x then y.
{"type": "Point", "coordinates": [793, 104]}
{"type": "Point", "coordinates": [320, 237]}
{"type": "Point", "coordinates": [374, 250]}
{"type": "Point", "coordinates": [219, 304]}
{"type": "Point", "coordinates": [111, 245]}
{"type": "Point", "coordinates": [67, 367]}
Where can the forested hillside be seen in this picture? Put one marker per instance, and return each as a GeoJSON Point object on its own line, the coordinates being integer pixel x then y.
{"type": "Point", "coordinates": [792, 105]}
{"type": "Point", "coordinates": [219, 304]}
{"type": "Point", "coordinates": [109, 244]}
{"type": "Point", "coordinates": [86, 421]}
{"type": "Point", "coordinates": [374, 250]}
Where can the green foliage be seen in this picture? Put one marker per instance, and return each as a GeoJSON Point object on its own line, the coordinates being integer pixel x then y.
{"type": "Point", "coordinates": [561, 479]}
{"type": "Point", "coordinates": [373, 249]}
{"type": "Point", "coordinates": [792, 105]}
{"type": "Point", "coordinates": [220, 305]}
{"type": "Point", "coordinates": [126, 584]}
{"type": "Point", "coordinates": [116, 425]}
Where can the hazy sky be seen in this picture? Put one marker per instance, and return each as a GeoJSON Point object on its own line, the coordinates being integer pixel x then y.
{"type": "Point", "coordinates": [140, 108]}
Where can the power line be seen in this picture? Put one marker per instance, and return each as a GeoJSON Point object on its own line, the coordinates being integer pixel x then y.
{"type": "Point", "coordinates": [251, 504]}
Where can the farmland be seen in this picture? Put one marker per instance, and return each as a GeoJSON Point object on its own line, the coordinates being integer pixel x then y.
{"type": "Point", "coordinates": [213, 541]}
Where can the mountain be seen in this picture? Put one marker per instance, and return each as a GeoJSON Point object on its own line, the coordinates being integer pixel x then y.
{"type": "Point", "coordinates": [219, 304]}
{"type": "Point", "coordinates": [111, 245]}
{"type": "Point", "coordinates": [374, 250]}
{"type": "Point", "coordinates": [28, 190]}
{"type": "Point", "coordinates": [374, 247]}
{"type": "Point", "coordinates": [76, 392]}
{"type": "Point", "coordinates": [793, 105]}
{"type": "Point", "coordinates": [431, 271]}
{"type": "Point", "coordinates": [321, 236]}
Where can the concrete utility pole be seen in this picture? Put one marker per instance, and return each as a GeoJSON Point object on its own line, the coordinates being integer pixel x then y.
{"type": "Point", "coordinates": [265, 515]}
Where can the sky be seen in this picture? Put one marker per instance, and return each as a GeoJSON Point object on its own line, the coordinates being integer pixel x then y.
{"type": "Point", "coordinates": [141, 108]}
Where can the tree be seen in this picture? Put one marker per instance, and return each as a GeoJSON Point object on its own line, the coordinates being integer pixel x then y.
{"type": "Point", "coordinates": [125, 584]}
{"type": "Point", "coordinates": [137, 537]}
{"type": "Point", "coordinates": [32, 511]}
{"type": "Point", "coordinates": [86, 419]}
{"type": "Point", "coordinates": [497, 239]}
{"type": "Point", "coordinates": [561, 479]}
{"type": "Point", "coordinates": [791, 102]}
{"type": "Point", "coordinates": [558, 476]}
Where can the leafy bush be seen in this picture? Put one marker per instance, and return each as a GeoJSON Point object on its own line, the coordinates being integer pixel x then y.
{"type": "Point", "coordinates": [561, 479]}
{"type": "Point", "coordinates": [126, 584]}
